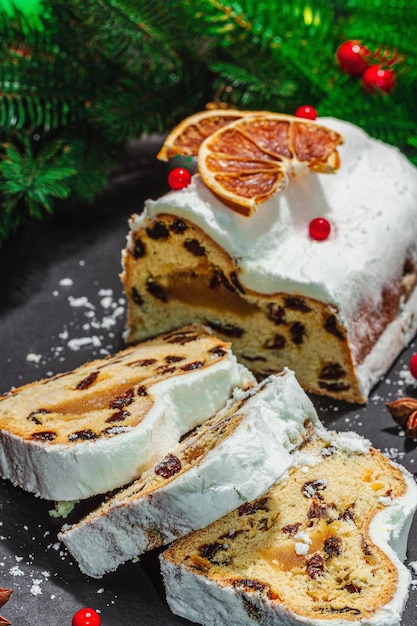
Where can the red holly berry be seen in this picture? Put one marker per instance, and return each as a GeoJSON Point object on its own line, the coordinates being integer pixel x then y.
{"type": "Point", "coordinates": [352, 57]}
{"type": "Point", "coordinates": [375, 79]}
{"type": "Point", "coordinates": [319, 229]}
{"type": "Point", "coordinates": [413, 365]}
{"type": "Point", "coordinates": [178, 178]}
{"type": "Point", "coordinates": [306, 111]}
{"type": "Point", "coordinates": [86, 617]}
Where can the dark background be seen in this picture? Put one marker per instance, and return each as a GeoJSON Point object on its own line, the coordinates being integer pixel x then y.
{"type": "Point", "coordinates": [61, 304]}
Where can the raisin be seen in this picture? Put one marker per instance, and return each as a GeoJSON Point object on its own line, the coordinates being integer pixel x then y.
{"type": "Point", "coordinates": [178, 227]}
{"type": "Point", "coordinates": [123, 400]}
{"type": "Point", "coordinates": [219, 280]}
{"type": "Point", "coordinates": [249, 508]}
{"type": "Point", "coordinates": [169, 466]}
{"type": "Point", "coordinates": [218, 351]}
{"type": "Point", "coordinates": [45, 435]}
{"type": "Point", "coordinates": [144, 362]}
{"type": "Point", "coordinates": [194, 247]}
{"type": "Point", "coordinates": [277, 343]}
{"type": "Point", "coordinates": [181, 337]}
{"type": "Point", "coordinates": [192, 366]}
{"type": "Point", "coordinates": [276, 313]}
{"type": "Point", "coordinates": [142, 390]}
{"type": "Point", "coordinates": [366, 548]}
{"type": "Point", "coordinates": [226, 329]}
{"type": "Point", "coordinates": [257, 586]}
{"type": "Point", "coordinates": [33, 416]}
{"type": "Point", "coordinates": [332, 546]}
{"type": "Point", "coordinates": [174, 359]}
{"type": "Point", "coordinates": [333, 386]}
{"type": "Point", "coordinates": [209, 550]}
{"type": "Point", "coordinates": [249, 583]}
{"type": "Point", "coordinates": [118, 416]}
{"type": "Point", "coordinates": [344, 609]}
{"type": "Point", "coordinates": [347, 514]}
{"type": "Point", "coordinates": [353, 588]}
{"type": "Point", "coordinates": [251, 358]}
{"type": "Point", "coordinates": [328, 451]}
{"type": "Point", "coordinates": [235, 281]}
{"type": "Point", "coordinates": [291, 529]}
{"type": "Point", "coordinates": [315, 566]}
{"type": "Point", "coordinates": [165, 369]}
{"type": "Point", "coordinates": [136, 297]}
{"type": "Point", "coordinates": [312, 489]}
{"type": "Point", "coordinates": [332, 371]}
{"type": "Point", "coordinates": [331, 326]}
{"type": "Point", "coordinates": [87, 381]}
{"type": "Point", "coordinates": [84, 435]}
{"type": "Point", "coordinates": [156, 290]}
{"type": "Point", "coordinates": [317, 510]}
{"type": "Point", "coordinates": [158, 231]}
{"type": "Point", "coordinates": [297, 332]}
{"type": "Point", "coordinates": [139, 249]}
{"type": "Point", "coordinates": [297, 304]}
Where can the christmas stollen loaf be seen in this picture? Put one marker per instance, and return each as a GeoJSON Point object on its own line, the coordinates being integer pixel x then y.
{"type": "Point", "coordinates": [233, 457]}
{"type": "Point", "coordinates": [101, 425]}
{"type": "Point", "coordinates": [324, 546]}
{"type": "Point", "coordinates": [336, 311]}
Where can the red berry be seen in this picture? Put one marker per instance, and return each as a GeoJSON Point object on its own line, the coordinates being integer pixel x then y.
{"type": "Point", "coordinates": [178, 178]}
{"type": "Point", "coordinates": [319, 229]}
{"type": "Point", "coordinates": [86, 617]}
{"type": "Point", "coordinates": [307, 112]}
{"type": "Point", "coordinates": [413, 365]}
{"type": "Point", "coordinates": [375, 78]}
{"type": "Point", "coordinates": [352, 57]}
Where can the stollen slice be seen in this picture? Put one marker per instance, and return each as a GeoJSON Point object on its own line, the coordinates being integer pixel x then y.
{"type": "Point", "coordinates": [98, 427]}
{"type": "Point", "coordinates": [232, 458]}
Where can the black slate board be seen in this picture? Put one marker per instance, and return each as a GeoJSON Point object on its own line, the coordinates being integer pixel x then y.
{"type": "Point", "coordinates": [61, 304]}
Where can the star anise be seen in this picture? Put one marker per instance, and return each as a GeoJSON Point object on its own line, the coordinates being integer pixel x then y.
{"type": "Point", "coordinates": [4, 596]}
{"type": "Point", "coordinates": [404, 412]}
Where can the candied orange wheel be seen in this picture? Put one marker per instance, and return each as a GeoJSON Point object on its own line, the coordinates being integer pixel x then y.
{"type": "Point", "coordinates": [186, 138]}
{"type": "Point", "coordinates": [247, 161]}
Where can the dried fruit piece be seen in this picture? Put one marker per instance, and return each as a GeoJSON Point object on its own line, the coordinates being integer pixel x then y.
{"type": "Point", "coordinates": [169, 466]}
{"type": "Point", "coordinates": [186, 138]}
{"type": "Point", "coordinates": [312, 488]}
{"type": "Point", "coordinates": [87, 381]}
{"type": "Point", "coordinates": [249, 508]}
{"type": "Point", "coordinates": [332, 546]}
{"type": "Point", "coordinates": [246, 162]}
{"type": "Point", "coordinates": [315, 566]}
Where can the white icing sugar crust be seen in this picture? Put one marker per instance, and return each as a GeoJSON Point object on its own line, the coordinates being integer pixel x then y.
{"type": "Point", "coordinates": [240, 468]}
{"type": "Point", "coordinates": [190, 594]}
{"type": "Point", "coordinates": [371, 203]}
{"type": "Point", "coordinates": [72, 472]}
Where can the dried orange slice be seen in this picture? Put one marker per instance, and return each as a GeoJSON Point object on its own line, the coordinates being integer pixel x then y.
{"type": "Point", "coordinates": [248, 160]}
{"type": "Point", "coordinates": [186, 138]}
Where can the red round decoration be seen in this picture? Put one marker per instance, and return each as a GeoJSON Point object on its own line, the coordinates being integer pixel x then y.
{"type": "Point", "coordinates": [86, 617]}
{"type": "Point", "coordinates": [413, 365]}
{"type": "Point", "coordinates": [319, 229]}
{"type": "Point", "coordinates": [375, 78]}
{"type": "Point", "coordinates": [352, 57]}
{"type": "Point", "coordinates": [178, 178]}
{"type": "Point", "coordinates": [306, 111]}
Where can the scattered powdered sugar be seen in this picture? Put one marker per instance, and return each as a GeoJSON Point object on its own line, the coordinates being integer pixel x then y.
{"type": "Point", "coordinates": [94, 323]}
